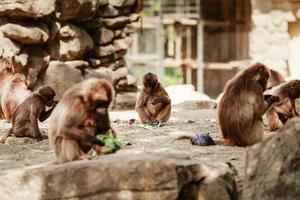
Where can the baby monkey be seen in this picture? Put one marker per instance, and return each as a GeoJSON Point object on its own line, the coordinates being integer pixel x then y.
{"type": "Point", "coordinates": [153, 103]}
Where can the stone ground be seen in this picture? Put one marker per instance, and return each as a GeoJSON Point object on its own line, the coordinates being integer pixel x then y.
{"type": "Point", "coordinates": [137, 139]}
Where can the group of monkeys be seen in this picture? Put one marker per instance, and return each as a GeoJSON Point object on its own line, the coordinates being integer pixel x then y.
{"type": "Point", "coordinates": [82, 112]}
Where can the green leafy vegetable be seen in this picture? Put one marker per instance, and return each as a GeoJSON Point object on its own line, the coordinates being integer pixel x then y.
{"type": "Point", "coordinates": [111, 143]}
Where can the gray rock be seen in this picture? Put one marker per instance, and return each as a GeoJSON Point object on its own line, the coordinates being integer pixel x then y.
{"type": "Point", "coordinates": [119, 74]}
{"type": "Point", "coordinates": [27, 8]}
{"type": "Point", "coordinates": [108, 11]}
{"type": "Point", "coordinates": [144, 176]}
{"type": "Point", "coordinates": [135, 17]}
{"type": "Point", "coordinates": [71, 43]}
{"type": "Point", "coordinates": [129, 29]}
{"type": "Point", "coordinates": [103, 36]}
{"type": "Point", "coordinates": [115, 64]}
{"type": "Point", "coordinates": [104, 51]}
{"type": "Point", "coordinates": [103, 2]}
{"type": "Point", "coordinates": [101, 72]}
{"type": "Point", "coordinates": [125, 100]}
{"type": "Point", "coordinates": [120, 54]}
{"type": "Point", "coordinates": [121, 3]}
{"type": "Point", "coordinates": [78, 64]}
{"type": "Point", "coordinates": [118, 33]}
{"type": "Point", "coordinates": [8, 48]}
{"type": "Point", "coordinates": [61, 77]}
{"type": "Point", "coordinates": [120, 45]}
{"type": "Point", "coordinates": [76, 9]}
{"type": "Point", "coordinates": [115, 23]}
{"type": "Point", "coordinates": [272, 166]}
{"type": "Point", "coordinates": [26, 32]}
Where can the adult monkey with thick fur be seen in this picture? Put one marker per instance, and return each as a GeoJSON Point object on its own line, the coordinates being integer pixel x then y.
{"type": "Point", "coordinates": [25, 118]}
{"type": "Point", "coordinates": [6, 73]}
{"type": "Point", "coordinates": [84, 105]}
{"type": "Point", "coordinates": [285, 108]}
{"type": "Point", "coordinates": [242, 106]}
{"type": "Point", "coordinates": [154, 103]}
{"type": "Point", "coordinates": [14, 94]}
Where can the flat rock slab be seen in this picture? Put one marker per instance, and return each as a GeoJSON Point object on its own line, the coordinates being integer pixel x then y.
{"type": "Point", "coordinates": [143, 176]}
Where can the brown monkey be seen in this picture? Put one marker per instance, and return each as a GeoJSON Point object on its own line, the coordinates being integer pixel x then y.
{"type": "Point", "coordinates": [285, 108]}
{"type": "Point", "coordinates": [14, 94]}
{"type": "Point", "coordinates": [242, 106]}
{"type": "Point", "coordinates": [6, 70]}
{"type": "Point", "coordinates": [25, 118]}
{"type": "Point", "coordinates": [84, 105]}
{"type": "Point", "coordinates": [153, 103]}
{"type": "Point", "coordinates": [275, 79]}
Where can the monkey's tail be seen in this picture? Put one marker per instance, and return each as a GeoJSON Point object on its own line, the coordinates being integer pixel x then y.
{"type": "Point", "coordinates": [206, 140]}
{"type": "Point", "coordinates": [184, 137]}
{"type": "Point", "coordinates": [5, 136]}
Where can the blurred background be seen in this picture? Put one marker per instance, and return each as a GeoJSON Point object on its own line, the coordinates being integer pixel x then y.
{"type": "Point", "coordinates": [205, 42]}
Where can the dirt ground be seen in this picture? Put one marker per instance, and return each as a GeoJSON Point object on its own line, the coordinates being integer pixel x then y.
{"type": "Point", "coordinates": [137, 139]}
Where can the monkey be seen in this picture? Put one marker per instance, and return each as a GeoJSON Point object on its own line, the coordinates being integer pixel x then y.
{"type": "Point", "coordinates": [275, 79]}
{"type": "Point", "coordinates": [25, 118]}
{"type": "Point", "coordinates": [14, 94]}
{"type": "Point", "coordinates": [285, 108]}
{"type": "Point", "coordinates": [83, 105]}
{"type": "Point", "coordinates": [242, 106]}
{"type": "Point", "coordinates": [6, 71]}
{"type": "Point", "coordinates": [154, 103]}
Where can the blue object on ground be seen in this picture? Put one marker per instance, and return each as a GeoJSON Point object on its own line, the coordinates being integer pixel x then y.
{"type": "Point", "coordinates": [202, 139]}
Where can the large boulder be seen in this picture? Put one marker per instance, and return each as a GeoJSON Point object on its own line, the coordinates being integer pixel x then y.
{"type": "Point", "coordinates": [61, 77]}
{"type": "Point", "coordinates": [144, 176]}
{"type": "Point", "coordinates": [27, 8]}
{"type": "Point", "coordinates": [103, 36]}
{"type": "Point", "coordinates": [273, 166]}
{"type": "Point", "coordinates": [71, 42]}
{"type": "Point", "coordinates": [26, 32]}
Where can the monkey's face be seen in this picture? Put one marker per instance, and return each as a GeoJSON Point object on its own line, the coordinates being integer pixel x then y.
{"type": "Point", "coordinates": [294, 89]}
{"type": "Point", "coordinates": [47, 94]}
{"type": "Point", "coordinates": [262, 75]}
{"type": "Point", "coordinates": [150, 82]}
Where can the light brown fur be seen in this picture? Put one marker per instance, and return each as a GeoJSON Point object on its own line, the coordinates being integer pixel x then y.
{"type": "Point", "coordinates": [80, 115]}
{"type": "Point", "coordinates": [6, 70]}
{"type": "Point", "coordinates": [25, 118]}
{"type": "Point", "coordinates": [153, 103]}
{"type": "Point", "coordinates": [242, 106]}
{"type": "Point", "coordinates": [285, 108]}
{"type": "Point", "coordinates": [13, 95]}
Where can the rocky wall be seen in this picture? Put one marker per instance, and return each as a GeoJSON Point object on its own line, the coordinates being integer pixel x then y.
{"type": "Point", "coordinates": [62, 42]}
{"type": "Point", "coordinates": [270, 38]}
